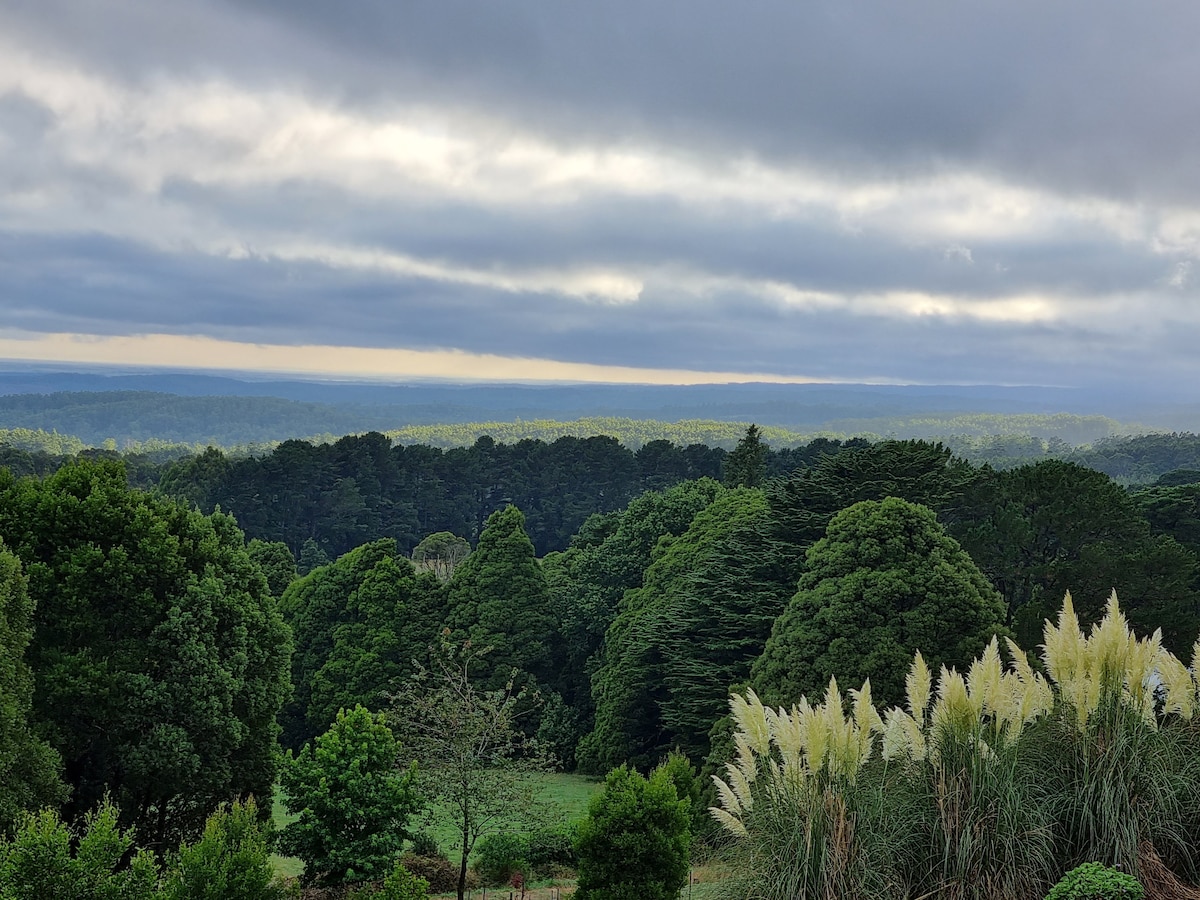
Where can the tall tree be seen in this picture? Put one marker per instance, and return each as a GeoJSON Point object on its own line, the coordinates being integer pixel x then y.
{"type": "Point", "coordinates": [358, 623]}
{"type": "Point", "coordinates": [884, 582]}
{"type": "Point", "coordinates": [28, 766]}
{"type": "Point", "coordinates": [746, 464]}
{"type": "Point", "coordinates": [680, 641]}
{"type": "Point", "coordinates": [498, 598]}
{"type": "Point", "coordinates": [159, 654]}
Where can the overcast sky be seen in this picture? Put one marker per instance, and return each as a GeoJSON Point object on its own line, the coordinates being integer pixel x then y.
{"type": "Point", "coordinates": [984, 192]}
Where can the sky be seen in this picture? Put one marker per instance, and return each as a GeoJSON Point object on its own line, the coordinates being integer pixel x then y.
{"type": "Point", "coordinates": [627, 191]}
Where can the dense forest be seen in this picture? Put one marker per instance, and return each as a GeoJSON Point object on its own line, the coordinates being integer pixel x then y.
{"type": "Point", "coordinates": [168, 620]}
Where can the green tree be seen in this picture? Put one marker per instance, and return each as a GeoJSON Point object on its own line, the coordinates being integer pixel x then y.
{"type": "Point", "coordinates": [312, 557]}
{"type": "Point", "coordinates": [94, 862]}
{"type": "Point", "coordinates": [884, 582]}
{"type": "Point", "coordinates": [231, 860]}
{"type": "Point", "coordinates": [159, 656]}
{"type": "Point", "coordinates": [473, 757]}
{"type": "Point", "coordinates": [499, 599]}
{"type": "Point", "coordinates": [29, 768]}
{"type": "Point", "coordinates": [353, 803]}
{"type": "Point", "coordinates": [358, 624]}
{"type": "Point", "coordinates": [746, 464]}
{"type": "Point", "coordinates": [441, 554]}
{"type": "Point", "coordinates": [679, 643]}
{"type": "Point", "coordinates": [1041, 530]}
{"type": "Point", "coordinates": [635, 843]}
{"type": "Point", "coordinates": [276, 562]}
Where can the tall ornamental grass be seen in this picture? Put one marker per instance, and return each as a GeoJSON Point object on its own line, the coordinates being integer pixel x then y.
{"type": "Point", "coordinates": [987, 786]}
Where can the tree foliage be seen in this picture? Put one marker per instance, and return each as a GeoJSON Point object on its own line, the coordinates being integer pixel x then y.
{"type": "Point", "coordinates": [160, 657]}
{"type": "Point", "coordinates": [498, 599]}
{"type": "Point", "coordinates": [885, 581]}
{"type": "Point", "coordinates": [358, 624]}
{"type": "Point", "coordinates": [353, 803]}
{"type": "Point", "coordinates": [28, 766]}
{"type": "Point", "coordinates": [635, 843]}
{"type": "Point", "coordinates": [466, 740]}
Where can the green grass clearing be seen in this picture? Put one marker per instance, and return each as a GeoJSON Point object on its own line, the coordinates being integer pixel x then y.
{"type": "Point", "coordinates": [567, 795]}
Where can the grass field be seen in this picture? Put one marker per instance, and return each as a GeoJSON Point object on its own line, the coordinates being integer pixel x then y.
{"type": "Point", "coordinates": [566, 795]}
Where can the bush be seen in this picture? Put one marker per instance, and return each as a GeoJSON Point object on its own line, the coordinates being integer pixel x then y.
{"type": "Point", "coordinates": [635, 841]}
{"type": "Point", "coordinates": [1093, 881]}
{"type": "Point", "coordinates": [39, 863]}
{"type": "Point", "coordinates": [555, 846]}
{"type": "Point", "coordinates": [439, 872]}
{"type": "Point", "coordinates": [500, 855]}
{"type": "Point", "coordinates": [425, 844]}
{"type": "Point", "coordinates": [401, 884]}
{"type": "Point", "coordinates": [230, 861]}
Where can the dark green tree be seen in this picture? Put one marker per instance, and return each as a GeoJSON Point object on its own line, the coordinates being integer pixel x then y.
{"type": "Point", "coordinates": [28, 766]}
{"type": "Point", "coordinates": [679, 643]}
{"type": "Point", "coordinates": [358, 624]}
{"type": "Point", "coordinates": [353, 803]}
{"type": "Point", "coordinates": [884, 582]}
{"type": "Point", "coordinates": [276, 562]}
{"type": "Point", "coordinates": [746, 464]}
{"type": "Point", "coordinates": [312, 557]}
{"type": "Point", "coordinates": [635, 843]}
{"type": "Point", "coordinates": [160, 658]}
{"type": "Point", "coordinates": [498, 598]}
{"type": "Point", "coordinates": [1041, 530]}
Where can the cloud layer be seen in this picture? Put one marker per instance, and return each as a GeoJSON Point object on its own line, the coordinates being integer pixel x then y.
{"type": "Point", "coordinates": [982, 193]}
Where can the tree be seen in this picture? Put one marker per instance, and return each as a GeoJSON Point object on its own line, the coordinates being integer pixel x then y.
{"type": "Point", "coordinates": [635, 843]}
{"type": "Point", "coordinates": [353, 803]}
{"type": "Point", "coordinates": [499, 599]}
{"type": "Point", "coordinates": [160, 658]}
{"type": "Point", "coordinates": [28, 766]}
{"type": "Point", "coordinates": [884, 582]}
{"type": "Point", "coordinates": [441, 554]}
{"type": "Point", "coordinates": [276, 562]}
{"type": "Point", "coordinates": [231, 860]}
{"type": "Point", "coordinates": [1041, 530]}
{"type": "Point", "coordinates": [472, 755]}
{"type": "Point", "coordinates": [680, 641]}
{"type": "Point", "coordinates": [358, 623]}
{"type": "Point", "coordinates": [746, 464]}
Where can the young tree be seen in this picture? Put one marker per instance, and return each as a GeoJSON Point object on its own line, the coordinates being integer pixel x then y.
{"type": "Point", "coordinates": [472, 756]}
{"type": "Point", "coordinates": [354, 804]}
{"type": "Point", "coordinates": [884, 582]}
{"type": "Point", "coordinates": [635, 843]}
{"type": "Point", "coordinates": [231, 860]}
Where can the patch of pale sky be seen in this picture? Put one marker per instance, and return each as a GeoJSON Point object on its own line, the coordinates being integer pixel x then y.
{"type": "Point", "coordinates": [195, 352]}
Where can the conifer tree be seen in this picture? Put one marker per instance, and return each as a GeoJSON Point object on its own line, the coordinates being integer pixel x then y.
{"type": "Point", "coordinates": [498, 598]}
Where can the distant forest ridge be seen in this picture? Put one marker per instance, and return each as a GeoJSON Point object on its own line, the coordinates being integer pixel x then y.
{"type": "Point", "coordinates": [147, 421]}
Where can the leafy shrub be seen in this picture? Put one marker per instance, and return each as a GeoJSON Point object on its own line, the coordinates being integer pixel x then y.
{"type": "Point", "coordinates": [230, 861]}
{"type": "Point", "coordinates": [38, 862]}
{"type": "Point", "coordinates": [554, 846]}
{"type": "Point", "coordinates": [425, 844]}
{"type": "Point", "coordinates": [635, 841]}
{"type": "Point", "coordinates": [401, 884]}
{"type": "Point", "coordinates": [354, 804]}
{"type": "Point", "coordinates": [500, 855]}
{"type": "Point", "coordinates": [1093, 881]}
{"type": "Point", "coordinates": [438, 871]}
